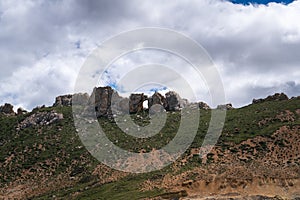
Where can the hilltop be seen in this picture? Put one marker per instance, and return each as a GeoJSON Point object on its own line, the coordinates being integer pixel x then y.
{"type": "Point", "coordinates": [256, 157]}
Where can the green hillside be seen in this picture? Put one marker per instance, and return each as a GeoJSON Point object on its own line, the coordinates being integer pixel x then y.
{"type": "Point", "coordinates": [50, 162]}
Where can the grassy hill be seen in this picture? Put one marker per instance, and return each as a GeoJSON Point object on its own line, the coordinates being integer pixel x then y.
{"type": "Point", "coordinates": [49, 161]}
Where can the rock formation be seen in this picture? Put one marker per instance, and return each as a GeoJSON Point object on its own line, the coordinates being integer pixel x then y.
{"type": "Point", "coordinates": [7, 109]}
{"type": "Point", "coordinates": [101, 100]}
{"type": "Point", "coordinates": [174, 101]}
{"type": "Point", "coordinates": [204, 106]}
{"type": "Point", "coordinates": [136, 102]}
{"type": "Point", "coordinates": [66, 100]}
{"type": "Point", "coordinates": [275, 97]}
{"type": "Point", "coordinates": [227, 106]}
{"type": "Point", "coordinates": [157, 98]}
{"type": "Point", "coordinates": [21, 111]}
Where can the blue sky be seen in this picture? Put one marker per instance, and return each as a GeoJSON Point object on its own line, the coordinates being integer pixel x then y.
{"type": "Point", "coordinates": [261, 1]}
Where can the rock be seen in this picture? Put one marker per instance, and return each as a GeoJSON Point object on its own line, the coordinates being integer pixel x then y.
{"type": "Point", "coordinates": [38, 108]}
{"type": "Point", "coordinates": [204, 106]}
{"type": "Point", "coordinates": [120, 105]}
{"type": "Point", "coordinates": [80, 98]}
{"type": "Point", "coordinates": [227, 106]}
{"type": "Point", "coordinates": [275, 97]}
{"type": "Point", "coordinates": [21, 111]}
{"type": "Point", "coordinates": [67, 100]}
{"type": "Point", "coordinates": [298, 97]}
{"type": "Point", "coordinates": [64, 100]}
{"type": "Point", "coordinates": [7, 109]}
{"type": "Point", "coordinates": [174, 101]}
{"type": "Point", "coordinates": [40, 119]}
{"type": "Point", "coordinates": [136, 102]}
{"type": "Point", "coordinates": [100, 101]}
{"type": "Point", "coordinates": [157, 98]}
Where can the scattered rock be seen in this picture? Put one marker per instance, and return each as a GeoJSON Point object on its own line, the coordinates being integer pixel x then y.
{"type": "Point", "coordinates": [275, 97]}
{"type": "Point", "coordinates": [40, 119]}
{"type": "Point", "coordinates": [7, 109]}
{"type": "Point", "coordinates": [136, 102]}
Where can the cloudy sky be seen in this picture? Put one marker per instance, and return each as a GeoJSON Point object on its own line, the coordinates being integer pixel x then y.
{"type": "Point", "coordinates": [43, 44]}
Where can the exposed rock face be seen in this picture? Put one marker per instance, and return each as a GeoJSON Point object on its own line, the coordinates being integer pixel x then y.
{"type": "Point", "coordinates": [80, 98]}
{"type": "Point", "coordinates": [275, 97]}
{"type": "Point", "coordinates": [64, 100]}
{"type": "Point", "coordinates": [174, 101]}
{"type": "Point", "coordinates": [203, 106]}
{"type": "Point", "coordinates": [21, 111]}
{"type": "Point", "coordinates": [40, 119]}
{"type": "Point", "coordinates": [101, 99]}
{"type": "Point", "coordinates": [157, 98]}
{"type": "Point", "coordinates": [7, 109]}
{"type": "Point", "coordinates": [136, 102]}
{"type": "Point", "coordinates": [227, 106]}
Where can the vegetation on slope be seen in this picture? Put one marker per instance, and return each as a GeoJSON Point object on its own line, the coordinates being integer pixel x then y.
{"type": "Point", "coordinates": [50, 161]}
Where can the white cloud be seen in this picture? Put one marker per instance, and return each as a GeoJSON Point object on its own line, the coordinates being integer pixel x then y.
{"type": "Point", "coordinates": [256, 48]}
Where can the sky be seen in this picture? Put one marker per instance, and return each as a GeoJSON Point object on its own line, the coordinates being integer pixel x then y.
{"type": "Point", "coordinates": [43, 44]}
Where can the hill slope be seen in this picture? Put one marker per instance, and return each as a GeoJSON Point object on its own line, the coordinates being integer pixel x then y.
{"type": "Point", "coordinates": [41, 157]}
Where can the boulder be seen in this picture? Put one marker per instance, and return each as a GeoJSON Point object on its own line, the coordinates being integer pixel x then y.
{"type": "Point", "coordinates": [174, 101]}
{"type": "Point", "coordinates": [136, 102]}
{"type": "Point", "coordinates": [7, 109]}
{"type": "Point", "coordinates": [275, 97]}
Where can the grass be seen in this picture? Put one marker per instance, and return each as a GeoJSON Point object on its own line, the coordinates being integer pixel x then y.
{"type": "Point", "coordinates": [60, 140]}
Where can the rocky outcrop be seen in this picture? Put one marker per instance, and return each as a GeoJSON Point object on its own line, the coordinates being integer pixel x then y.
{"type": "Point", "coordinates": [40, 119]}
{"type": "Point", "coordinates": [136, 102]}
{"type": "Point", "coordinates": [174, 101]}
{"type": "Point", "coordinates": [227, 106]}
{"type": "Point", "coordinates": [66, 100]}
{"type": "Point", "coordinates": [7, 109]}
{"type": "Point", "coordinates": [204, 106]}
{"type": "Point", "coordinates": [157, 98]}
{"type": "Point", "coordinates": [100, 101]}
{"type": "Point", "coordinates": [21, 111]}
{"type": "Point", "coordinates": [275, 97]}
